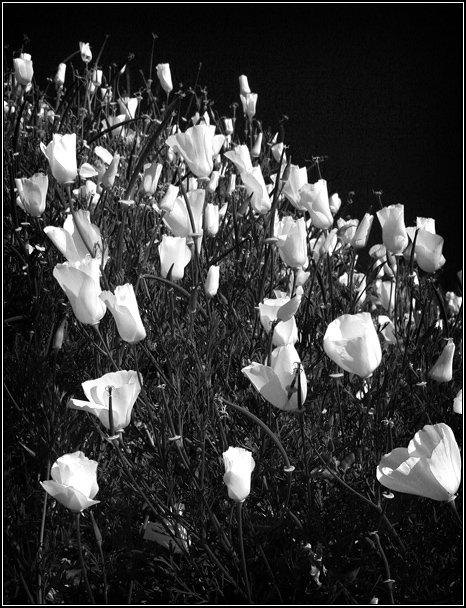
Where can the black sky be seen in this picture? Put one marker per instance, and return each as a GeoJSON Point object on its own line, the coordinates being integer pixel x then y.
{"type": "Point", "coordinates": [377, 88]}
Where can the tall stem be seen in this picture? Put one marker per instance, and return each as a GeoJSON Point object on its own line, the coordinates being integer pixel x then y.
{"type": "Point", "coordinates": [81, 557]}
{"type": "Point", "coordinates": [239, 510]}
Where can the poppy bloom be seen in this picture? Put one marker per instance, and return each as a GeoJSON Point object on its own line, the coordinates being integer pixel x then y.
{"type": "Point", "coordinates": [257, 190]}
{"type": "Point", "coordinates": [198, 145]}
{"type": "Point", "coordinates": [165, 77]}
{"type": "Point", "coordinates": [177, 217]}
{"type": "Point", "coordinates": [270, 310]}
{"type": "Point", "coordinates": [442, 370]}
{"type": "Point", "coordinates": [361, 235]}
{"type": "Point", "coordinates": [249, 101]}
{"type": "Point", "coordinates": [351, 341]}
{"type": "Point", "coordinates": [128, 106]}
{"type": "Point", "coordinates": [174, 255]}
{"type": "Point", "coordinates": [428, 250]}
{"type": "Point", "coordinates": [240, 157]}
{"type": "Point", "coordinates": [314, 199]}
{"type": "Point", "coordinates": [125, 311]}
{"type": "Point", "coordinates": [80, 282]}
{"type": "Point", "coordinates": [74, 481]}
{"type": "Point", "coordinates": [239, 464]}
{"type": "Point", "coordinates": [243, 85]}
{"type": "Point", "coordinates": [151, 177]}
{"type": "Point", "coordinates": [212, 281]}
{"type": "Point", "coordinates": [394, 235]}
{"type": "Point", "coordinates": [458, 402]}
{"type": "Point", "coordinates": [296, 180]}
{"type": "Point", "coordinates": [292, 241]}
{"type": "Point", "coordinates": [33, 193]}
{"type": "Point", "coordinates": [280, 382]}
{"type": "Point", "coordinates": [124, 387]}
{"type": "Point", "coordinates": [23, 69]}
{"type": "Point", "coordinates": [86, 53]}
{"type": "Point", "coordinates": [61, 154]}
{"type": "Point", "coordinates": [430, 466]}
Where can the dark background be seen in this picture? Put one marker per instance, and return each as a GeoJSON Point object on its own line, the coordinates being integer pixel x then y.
{"type": "Point", "coordinates": [376, 88]}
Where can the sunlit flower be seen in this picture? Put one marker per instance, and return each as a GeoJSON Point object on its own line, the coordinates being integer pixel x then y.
{"type": "Point", "coordinates": [292, 241]}
{"type": "Point", "coordinates": [86, 53]}
{"type": "Point", "coordinates": [249, 101]}
{"type": "Point", "coordinates": [239, 464]}
{"type": "Point", "coordinates": [124, 308]}
{"type": "Point", "coordinates": [178, 220]}
{"type": "Point", "coordinates": [165, 77]}
{"type": "Point", "coordinates": [61, 154]}
{"type": "Point", "coordinates": [212, 281]}
{"type": "Point", "coordinates": [284, 332]}
{"type": "Point", "coordinates": [60, 75]}
{"type": "Point", "coordinates": [244, 85]}
{"type": "Point", "coordinates": [108, 178]}
{"type": "Point", "coordinates": [458, 402]}
{"type": "Point", "coordinates": [314, 199]}
{"type": "Point", "coordinates": [428, 250]}
{"type": "Point", "coordinates": [334, 202]}
{"type": "Point", "coordinates": [394, 235]}
{"type": "Point", "coordinates": [280, 382]}
{"type": "Point", "coordinates": [351, 341]}
{"type": "Point", "coordinates": [346, 230]}
{"type": "Point", "coordinates": [129, 106]}
{"type": "Point", "coordinates": [211, 218]}
{"type": "Point", "coordinates": [198, 146]}
{"type": "Point", "coordinates": [74, 481]}
{"type": "Point", "coordinates": [361, 235]}
{"type": "Point", "coordinates": [240, 157]}
{"type": "Point", "coordinates": [442, 370]}
{"type": "Point", "coordinates": [383, 294]}
{"type": "Point", "coordinates": [257, 190]}
{"type": "Point", "coordinates": [124, 388]}
{"type": "Point", "coordinates": [175, 255]}
{"type": "Point", "coordinates": [23, 69]}
{"type": "Point", "coordinates": [387, 329]}
{"type": "Point", "coordinates": [454, 302]}
{"type": "Point", "coordinates": [256, 149]}
{"type": "Point", "coordinates": [151, 177]}
{"type": "Point", "coordinates": [33, 193]}
{"type": "Point", "coordinates": [430, 466]}
{"type": "Point", "coordinates": [296, 180]}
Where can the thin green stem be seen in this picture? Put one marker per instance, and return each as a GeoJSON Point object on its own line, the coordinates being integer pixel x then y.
{"type": "Point", "coordinates": [81, 558]}
{"type": "Point", "coordinates": [239, 507]}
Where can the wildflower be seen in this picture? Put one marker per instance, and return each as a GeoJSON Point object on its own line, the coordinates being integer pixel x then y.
{"type": "Point", "coordinates": [151, 177]}
{"type": "Point", "coordinates": [113, 121]}
{"type": "Point", "coordinates": [347, 230]}
{"type": "Point", "coordinates": [212, 281]}
{"type": "Point", "coordinates": [257, 190]}
{"type": "Point", "coordinates": [430, 466]}
{"type": "Point", "coordinates": [128, 106]}
{"type": "Point", "coordinates": [175, 255]}
{"type": "Point", "coordinates": [86, 54]}
{"type": "Point", "coordinates": [124, 308]}
{"type": "Point", "coordinates": [296, 180]}
{"type": "Point", "coordinates": [453, 302]}
{"type": "Point", "coordinates": [78, 238]}
{"type": "Point", "coordinates": [33, 193]}
{"type": "Point", "coordinates": [80, 282]}
{"type": "Point", "coordinates": [394, 235]}
{"type": "Point", "coordinates": [351, 341]}
{"type": "Point", "coordinates": [240, 157]}
{"type": "Point", "coordinates": [124, 388]}
{"type": "Point", "coordinates": [168, 201]}
{"type": "Point", "coordinates": [23, 69]}
{"type": "Point", "coordinates": [361, 235]}
{"type": "Point", "coordinates": [74, 481]}
{"type": "Point", "coordinates": [249, 101]}
{"type": "Point", "coordinates": [314, 199]}
{"type": "Point", "coordinates": [442, 370]}
{"type": "Point", "coordinates": [256, 149]}
{"type": "Point", "coordinates": [244, 85]}
{"type": "Point", "coordinates": [292, 241]}
{"type": "Point", "coordinates": [178, 220]}
{"type": "Point", "coordinates": [334, 202]}
{"type": "Point", "coordinates": [458, 402]}
{"type": "Point", "coordinates": [61, 154]}
{"type": "Point", "coordinates": [285, 332]}
{"type": "Point", "coordinates": [198, 146]}
{"type": "Point", "coordinates": [383, 294]}
{"type": "Point", "coordinates": [211, 218]}
{"type": "Point", "coordinates": [387, 329]}
{"type": "Point", "coordinates": [212, 185]}
{"type": "Point", "coordinates": [277, 150]}
{"type": "Point", "coordinates": [428, 251]}
{"type": "Point", "coordinates": [60, 75]}
{"type": "Point", "coordinates": [108, 178]}
{"type": "Point", "coordinates": [165, 77]}
{"type": "Point", "coordinates": [280, 382]}
{"type": "Point", "coordinates": [239, 464]}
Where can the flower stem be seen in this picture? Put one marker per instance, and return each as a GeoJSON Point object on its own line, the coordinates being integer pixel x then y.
{"type": "Point", "coordinates": [239, 506]}
{"type": "Point", "coordinates": [81, 557]}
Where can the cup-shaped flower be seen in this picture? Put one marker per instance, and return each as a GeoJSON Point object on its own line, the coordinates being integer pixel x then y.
{"type": "Point", "coordinates": [128, 106]}
{"type": "Point", "coordinates": [168, 200]}
{"type": "Point", "coordinates": [78, 238]}
{"type": "Point", "coordinates": [292, 241]}
{"type": "Point", "coordinates": [211, 218]}
{"type": "Point", "coordinates": [151, 177]}
{"type": "Point", "coordinates": [314, 199]}
{"type": "Point", "coordinates": [240, 157]}
{"type": "Point", "coordinates": [239, 464]}
{"type": "Point", "coordinates": [249, 101]}
{"type": "Point", "coordinates": [430, 466]}
{"type": "Point", "coordinates": [285, 332]}
{"type": "Point", "coordinates": [124, 387]}
{"type": "Point", "coordinates": [453, 302]}
{"type": "Point", "coordinates": [174, 255]}
{"type": "Point", "coordinates": [458, 402]}
{"type": "Point", "coordinates": [280, 382]}
{"type": "Point", "coordinates": [178, 219]}
{"type": "Point", "coordinates": [394, 235]}
{"type": "Point", "coordinates": [442, 370]}
{"type": "Point", "coordinates": [257, 190]}
{"type": "Point", "coordinates": [383, 294]}
{"type": "Point", "coordinates": [23, 69]}
{"type": "Point", "coordinates": [33, 193]}
{"type": "Point", "coordinates": [257, 147]}
{"type": "Point", "coordinates": [80, 282]}
{"type": "Point", "coordinates": [387, 329]}
{"type": "Point", "coordinates": [243, 85]}
{"type": "Point", "coordinates": [113, 121]}
{"type": "Point", "coordinates": [347, 230]}
{"type": "Point", "coordinates": [74, 481]}
{"type": "Point", "coordinates": [428, 250]}
{"type": "Point", "coordinates": [124, 308]}
{"type": "Point", "coordinates": [165, 77]}
{"type": "Point", "coordinates": [212, 281]}
{"type": "Point", "coordinates": [108, 178]}
{"type": "Point", "coordinates": [361, 236]}
{"type": "Point", "coordinates": [351, 341]}
{"type": "Point", "coordinates": [198, 145]}
{"type": "Point", "coordinates": [61, 154]}
{"type": "Point", "coordinates": [86, 53]}
{"type": "Point", "coordinates": [334, 203]}
{"type": "Point", "coordinates": [296, 180]}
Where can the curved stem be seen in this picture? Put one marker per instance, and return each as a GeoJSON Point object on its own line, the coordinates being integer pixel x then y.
{"type": "Point", "coordinates": [81, 557]}
{"type": "Point", "coordinates": [239, 507]}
